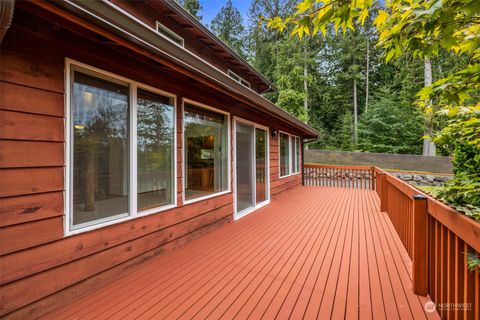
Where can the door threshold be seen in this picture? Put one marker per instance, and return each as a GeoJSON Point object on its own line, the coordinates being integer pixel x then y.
{"type": "Point", "coordinates": [247, 211]}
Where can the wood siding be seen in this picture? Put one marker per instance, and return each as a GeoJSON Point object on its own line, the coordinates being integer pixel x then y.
{"type": "Point", "coordinates": [41, 268]}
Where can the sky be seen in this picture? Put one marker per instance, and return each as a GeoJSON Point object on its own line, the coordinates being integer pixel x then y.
{"type": "Point", "coordinates": [211, 8]}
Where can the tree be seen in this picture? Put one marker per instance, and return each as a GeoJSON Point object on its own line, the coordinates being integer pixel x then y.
{"type": "Point", "coordinates": [391, 126]}
{"type": "Point", "coordinates": [228, 26]}
{"type": "Point", "coordinates": [193, 7]}
{"type": "Point", "coordinates": [428, 145]}
{"type": "Point", "coordinates": [422, 28]}
{"type": "Point", "coordinates": [262, 42]}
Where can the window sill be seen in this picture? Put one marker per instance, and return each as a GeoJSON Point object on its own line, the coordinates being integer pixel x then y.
{"type": "Point", "coordinates": [120, 219]}
{"type": "Point", "coordinates": [290, 175]}
{"type": "Point", "coordinates": [213, 195]}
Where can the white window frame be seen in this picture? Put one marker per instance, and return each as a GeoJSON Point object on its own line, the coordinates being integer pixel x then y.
{"type": "Point", "coordinates": [238, 215]}
{"type": "Point", "coordinates": [184, 152]}
{"type": "Point", "coordinates": [291, 154]}
{"type": "Point", "coordinates": [240, 80]}
{"type": "Point", "coordinates": [169, 34]}
{"type": "Point", "coordinates": [133, 212]}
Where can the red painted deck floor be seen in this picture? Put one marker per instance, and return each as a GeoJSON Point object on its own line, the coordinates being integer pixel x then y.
{"type": "Point", "coordinates": [314, 252]}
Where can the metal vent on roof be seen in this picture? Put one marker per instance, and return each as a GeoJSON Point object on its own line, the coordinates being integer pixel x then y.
{"type": "Point", "coordinates": [239, 79]}
{"type": "Point", "coordinates": [170, 35]}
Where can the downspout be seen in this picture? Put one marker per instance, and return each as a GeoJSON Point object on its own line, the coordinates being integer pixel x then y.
{"type": "Point", "coordinates": [6, 16]}
{"type": "Point", "coordinates": [303, 158]}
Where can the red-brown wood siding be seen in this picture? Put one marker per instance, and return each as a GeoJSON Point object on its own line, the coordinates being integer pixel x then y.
{"type": "Point", "coordinates": [34, 252]}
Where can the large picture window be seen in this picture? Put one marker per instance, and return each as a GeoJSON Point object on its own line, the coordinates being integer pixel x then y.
{"type": "Point", "coordinates": [110, 171]}
{"type": "Point", "coordinates": [100, 151]}
{"type": "Point", "coordinates": [206, 151]}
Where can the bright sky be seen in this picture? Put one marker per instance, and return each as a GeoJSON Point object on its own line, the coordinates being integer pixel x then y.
{"type": "Point", "coordinates": [211, 8]}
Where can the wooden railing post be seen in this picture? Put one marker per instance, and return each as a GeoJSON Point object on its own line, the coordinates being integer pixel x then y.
{"type": "Point", "coordinates": [372, 172]}
{"type": "Point", "coordinates": [420, 245]}
{"type": "Point", "coordinates": [383, 191]}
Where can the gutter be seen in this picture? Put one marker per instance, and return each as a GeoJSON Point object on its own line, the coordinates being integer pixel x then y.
{"type": "Point", "coordinates": [6, 16]}
{"type": "Point", "coordinates": [121, 24]}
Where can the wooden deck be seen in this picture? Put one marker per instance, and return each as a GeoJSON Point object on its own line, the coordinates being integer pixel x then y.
{"type": "Point", "coordinates": [314, 252]}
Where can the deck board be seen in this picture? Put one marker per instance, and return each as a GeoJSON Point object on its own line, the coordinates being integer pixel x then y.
{"type": "Point", "coordinates": [314, 252]}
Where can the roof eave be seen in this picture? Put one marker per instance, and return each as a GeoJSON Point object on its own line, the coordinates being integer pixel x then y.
{"type": "Point", "coordinates": [174, 5]}
{"type": "Point", "coordinates": [114, 19]}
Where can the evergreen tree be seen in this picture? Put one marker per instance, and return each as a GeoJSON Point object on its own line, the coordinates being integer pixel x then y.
{"type": "Point", "coordinates": [262, 42]}
{"type": "Point", "coordinates": [228, 26]}
{"type": "Point", "coordinates": [391, 125]}
{"type": "Point", "coordinates": [193, 7]}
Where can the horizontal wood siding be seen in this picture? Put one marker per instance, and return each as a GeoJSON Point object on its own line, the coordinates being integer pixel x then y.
{"type": "Point", "coordinates": [41, 268]}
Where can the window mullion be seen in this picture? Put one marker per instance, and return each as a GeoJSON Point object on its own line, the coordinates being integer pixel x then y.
{"type": "Point", "coordinates": [133, 150]}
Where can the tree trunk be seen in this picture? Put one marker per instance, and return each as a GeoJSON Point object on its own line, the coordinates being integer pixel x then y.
{"type": "Point", "coordinates": [429, 148]}
{"type": "Point", "coordinates": [355, 112]}
{"type": "Point", "coordinates": [305, 84]}
{"type": "Point", "coordinates": [366, 76]}
{"type": "Point", "coordinates": [89, 176]}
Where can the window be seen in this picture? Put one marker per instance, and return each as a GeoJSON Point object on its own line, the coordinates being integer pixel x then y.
{"type": "Point", "coordinates": [289, 154]}
{"type": "Point", "coordinates": [154, 150]}
{"type": "Point", "coordinates": [239, 79]}
{"type": "Point", "coordinates": [109, 171]}
{"type": "Point", "coordinates": [170, 35]}
{"type": "Point", "coordinates": [206, 151]}
{"type": "Point", "coordinates": [296, 154]}
{"type": "Point", "coordinates": [100, 149]}
{"type": "Point", "coordinates": [284, 154]}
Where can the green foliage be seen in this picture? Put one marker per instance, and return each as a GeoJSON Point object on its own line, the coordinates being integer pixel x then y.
{"type": "Point", "coordinates": [391, 126]}
{"type": "Point", "coordinates": [473, 260]}
{"type": "Point", "coordinates": [292, 102]}
{"type": "Point", "coordinates": [228, 26]}
{"type": "Point", "coordinates": [424, 29]}
{"type": "Point", "coordinates": [345, 132]}
{"type": "Point", "coordinates": [193, 7]}
{"type": "Point", "coordinates": [464, 190]}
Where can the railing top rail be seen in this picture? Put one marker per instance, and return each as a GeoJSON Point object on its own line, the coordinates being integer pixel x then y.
{"type": "Point", "coordinates": [311, 165]}
{"type": "Point", "coordinates": [464, 227]}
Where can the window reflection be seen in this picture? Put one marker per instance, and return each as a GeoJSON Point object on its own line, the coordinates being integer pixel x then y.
{"type": "Point", "coordinates": [284, 155]}
{"type": "Point", "coordinates": [100, 142]}
{"type": "Point", "coordinates": [297, 154]}
{"type": "Point", "coordinates": [261, 164]}
{"type": "Point", "coordinates": [205, 152]}
{"type": "Point", "coordinates": [155, 133]}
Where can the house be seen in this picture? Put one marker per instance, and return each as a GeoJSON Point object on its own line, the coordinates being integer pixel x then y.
{"type": "Point", "coordinates": [127, 129]}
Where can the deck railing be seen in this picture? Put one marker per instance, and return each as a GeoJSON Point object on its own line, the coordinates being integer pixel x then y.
{"type": "Point", "coordinates": [357, 177]}
{"type": "Point", "coordinates": [437, 238]}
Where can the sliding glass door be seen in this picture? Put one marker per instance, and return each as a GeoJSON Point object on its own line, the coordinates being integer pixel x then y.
{"type": "Point", "coordinates": [251, 167]}
{"type": "Point", "coordinates": [245, 141]}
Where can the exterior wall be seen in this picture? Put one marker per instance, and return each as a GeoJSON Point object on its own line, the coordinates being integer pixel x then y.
{"type": "Point", "coordinates": [41, 268]}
